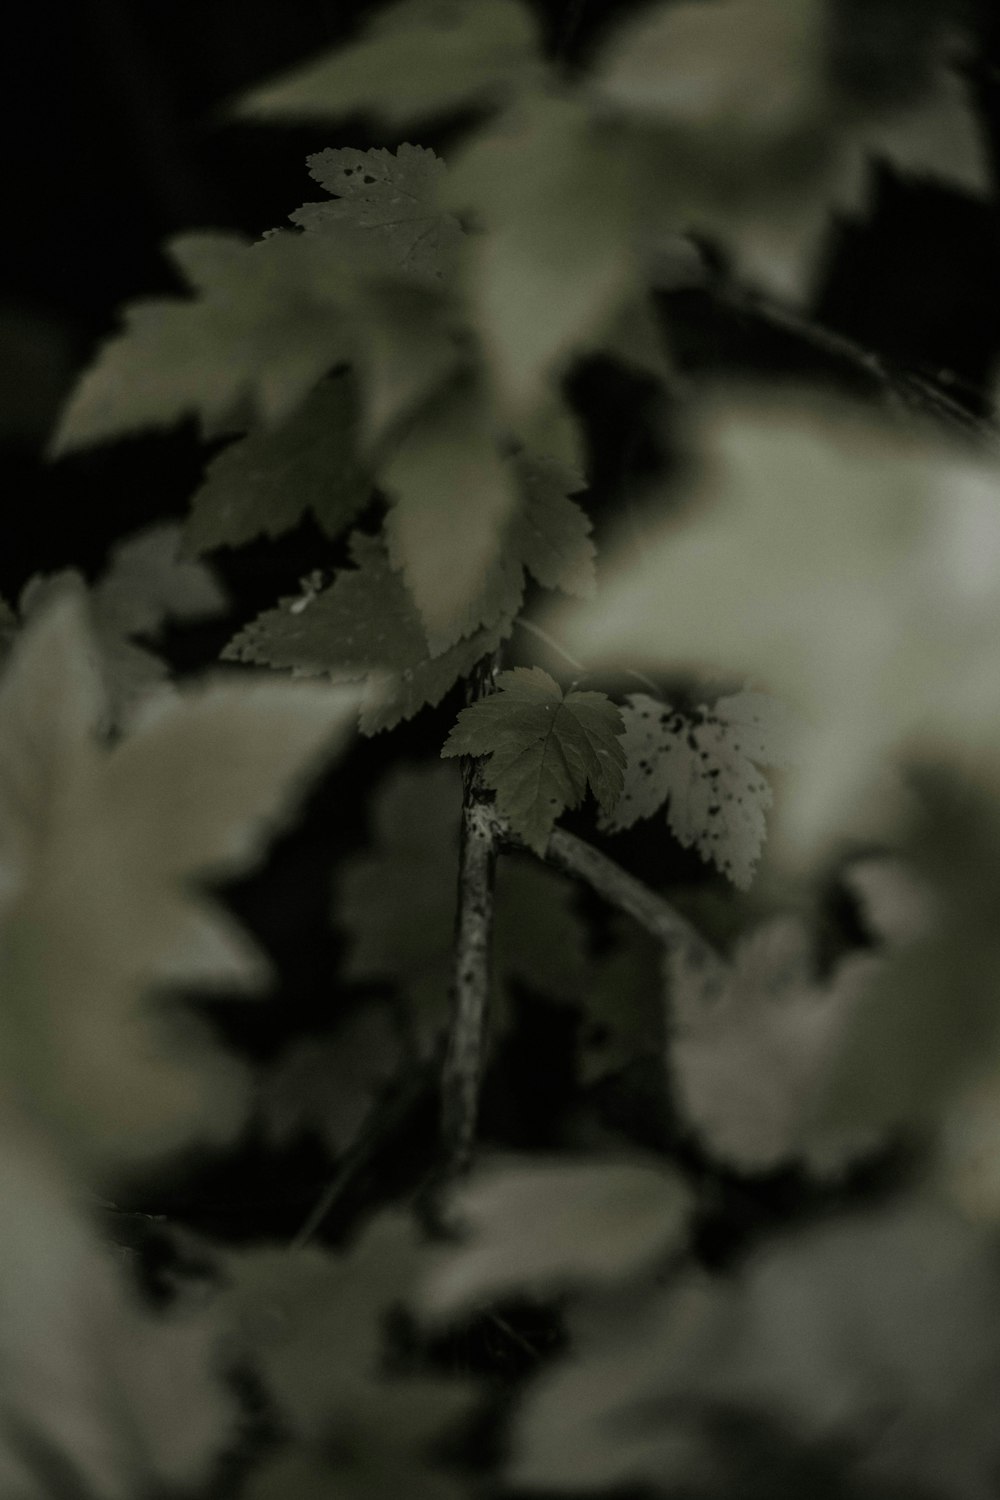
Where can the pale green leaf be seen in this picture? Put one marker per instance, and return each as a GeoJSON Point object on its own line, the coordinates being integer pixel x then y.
{"type": "Point", "coordinates": [850, 567]}
{"type": "Point", "coordinates": [752, 1047]}
{"type": "Point", "coordinates": [313, 1322]}
{"type": "Point", "coordinates": [837, 1337]}
{"type": "Point", "coordinates": [99, 1395]}
{"type": "Point", "coordinates": [385, 214]}
{"type": "Point", "coordinates": [705, 766]}
{"type": "Point", "coordinates": [544, 750]}
{"type": "Point", "coordinates": [549, 1225]}
{"type": "Point", "coordinates": [264, 484]}
{"type": "Point", "coordinates": [549, 532]}
{"type": "Point", "coordinates": [264, 325]}
{"type": "Point", "coordinates": [329, 1085]}
{"type": "Point", "coordinates": [555, 264]}
{"type": "Point", "coordinates": [418, 58]}
{"type": "Point", "coordinates": [99, 851]}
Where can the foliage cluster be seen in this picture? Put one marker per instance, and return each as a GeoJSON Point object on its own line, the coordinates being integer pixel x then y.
{"type": "Point", "coordinates": [810, 603]}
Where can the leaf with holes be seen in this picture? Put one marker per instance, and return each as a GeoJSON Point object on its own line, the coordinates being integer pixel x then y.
{"type": "Point", "coordinates": [705, 766]}
{"type": "Point", "coordinates": [385, 212]}
{"type": "Point", "coordinates": [544, 749]}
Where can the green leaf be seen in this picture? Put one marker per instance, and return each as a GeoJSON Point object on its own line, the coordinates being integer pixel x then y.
{"type": "Point", "coordinates": [100, 1396]}
{"type": "Point", "coordinates": [453, 495]}
{"type": "Point", "coordinates": [752, 1047]}
{"type": "Point", "coordinates": [386, 214]}
{"type": "Point", "coordinates": [312, 1322]}
{"type": "Point", "coordinates": [329, 1085]}
{"type": "Point", "coordinates": [101, 852]}
{"type": "Point", "coordinates": [706, 764]}
{"type": "Point", "coordinates": [265, 324]}
{"type": "Point", "coordinates": [265, 483]}
{"type": "Point", "coordinates": [365, 625]}
{"type": "Point", "coordinates": [550, 533]}
{"type": "Point", "coordinates": [555, 264]}
{"type": "Point", "coordinates": [146, 584]}
{"type": "Point", "coordinates": [848, 566]}
{"type": "Point", "coordinates": [418, 58]}
{"type": "Point", "coordinates": [542, 1226]}
{"type": "Point", "coordinates": [545, 750]}
{"type": "Point", "coordinates": [791, 1342]}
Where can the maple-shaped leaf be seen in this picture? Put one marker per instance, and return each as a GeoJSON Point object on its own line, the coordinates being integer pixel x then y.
{"type": "Point", "coordinates": [705, 766]}
{"type": "Point", "coordinates": [398, 900]}
{"type": "Point", "coordinates": [100, 852]}
{"type": "Point", "coordinates": [265, 323]}
{"type": "Point", "coordinates": [556, 262]}
{"type": "Point", "coordinates": [544, 749]}
{"type": "Point", "coordinates": [544, 1225]}
{"type": "Point", "coordinates": [312, 1322]}
{"type": "Point", "coordinates": [145, 584]}
{"type": "Point", "coordinates": [762, 142]}
{"type": "Point", "coordinates": [264, 483]}
{"type": "Point", "coordinates": [417, 58]}
{"type": "Point", "coordinates": [329, 1085]}
{"type": "Point", "coordinates": [752, 1045]}
{"type": "Point", "coordinates": [385, 211]}
{"type": "Point", "coordinates": [848, 565]}
{"type": "Point", "coordinates": [99, 1395]}
{"type": "Point", "coordinates": [364, 626]}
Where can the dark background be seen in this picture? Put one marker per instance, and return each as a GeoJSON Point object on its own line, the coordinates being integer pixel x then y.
{"type": "Point", "coordinates": [115, 138]}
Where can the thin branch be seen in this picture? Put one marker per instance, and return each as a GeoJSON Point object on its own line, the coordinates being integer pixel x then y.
{"type": "Point", "coordinates": [392, 1114]}
{"type": "Point", "coordinates": [574, 856]}
{"type": "Point", "coordinates": [553, 644]}
{"type": "Point", "coordinates": [472, 953]}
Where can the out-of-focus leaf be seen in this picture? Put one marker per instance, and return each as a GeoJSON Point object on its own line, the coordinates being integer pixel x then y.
{"type": "Point", "coordinates": [750, 1050]}
{"type": "Point", "coordinates": [555, 264]}
{"type": "Point", "coordinates": [849, 567]}
{"type": "Point", "coordinates": [871, 1339]}
{"type": "Point", "coordinates": [266, 322]}
{"type": "Point", "coordinates": [622, 1007]}
{"type": "Point", "coordinates": [418, 58]}
{"type": "Point", "coordinates": [99, 853]}
{"type": "Point", "coordinates": [97, 1395]}
{"type": "Point", "coordinates": [545, 1225]}
{"type": "Point", "coordinates": [329, 1085]}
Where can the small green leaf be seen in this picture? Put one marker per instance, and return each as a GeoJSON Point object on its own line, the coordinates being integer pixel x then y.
{"type": "Point", "coordinates": [265, 483]}
{"type": "Point", "coordinates": [543, 1226]}
{"type": "Point", "coordinates": [418, 58]}
{"type": "Point", "coordinates": [545, 750]}
{"type": "Point", "coordinates": [365, 625]}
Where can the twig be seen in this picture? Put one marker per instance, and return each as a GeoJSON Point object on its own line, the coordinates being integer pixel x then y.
{"type": "Point", "coordinates": [552, 643]}
{"type": "Point", "coordinates": [468, 1033]}
{"type": "Point", "coordinates": [394, 1111]}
